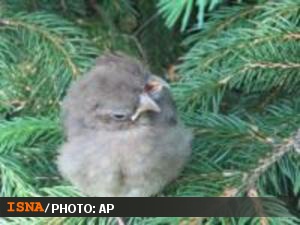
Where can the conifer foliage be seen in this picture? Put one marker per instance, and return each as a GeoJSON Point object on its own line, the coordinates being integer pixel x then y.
{"type": "Point", "coordinates": [237, 85]}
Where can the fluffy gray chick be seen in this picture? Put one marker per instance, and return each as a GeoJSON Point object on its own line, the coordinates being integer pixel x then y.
{"type": "Point", "coordinates": [123, 135]}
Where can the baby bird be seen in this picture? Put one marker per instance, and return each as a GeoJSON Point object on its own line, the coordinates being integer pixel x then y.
{"type": "Point", "coordinates": [124, 138]}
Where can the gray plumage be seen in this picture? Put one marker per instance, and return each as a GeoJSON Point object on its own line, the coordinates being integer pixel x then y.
{"type": "Point", "coordinates": [123, 134]}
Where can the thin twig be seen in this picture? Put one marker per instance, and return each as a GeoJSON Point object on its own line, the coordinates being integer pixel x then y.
{"type": "Point", "coordinates": [253, 193]}
{"type": "Point", "coordinates": [142, 27]}
{"type": "Point", "coordinates": [63, 5]}
{"type": "Point", "coordinates": [192, 221]}
{"type": "Point", "coordinates": [120, 221]}
{"type": "Point", "coordinates": [103, 14]}
{"type": "Point", "coordinates": [139, 47]}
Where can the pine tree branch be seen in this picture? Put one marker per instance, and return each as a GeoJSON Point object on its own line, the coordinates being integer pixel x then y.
{"type": "Point", "coordinates": [253, 193]}
{"type": "Point", "coordinates": [25, 131]}
{"type": "Point", "coordinates": [209, 60]}
{"type": "Point", "coordinates": [279, 150]}
{"type": "Point", "coordinates": [55, 40]}
{"type": "Point", "coordinates": [271, 65]}
{"type": "Point", "coordinates": [274, 93]}
{"type": "Point", "coordinates": [223, 24]}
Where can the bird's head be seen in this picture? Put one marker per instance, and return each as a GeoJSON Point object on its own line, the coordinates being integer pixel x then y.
{"type": "Point", "coordinates": [119, 93]}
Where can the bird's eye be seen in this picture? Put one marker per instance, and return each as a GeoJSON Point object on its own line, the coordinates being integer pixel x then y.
{"type": "Point", "coordinates": [119, 116]}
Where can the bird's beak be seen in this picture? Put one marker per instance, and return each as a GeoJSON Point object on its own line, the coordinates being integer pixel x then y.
{"type": "Point", "coordinates": [145, 104]}
{"type": "Point", "coordinates": [153, 86]}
